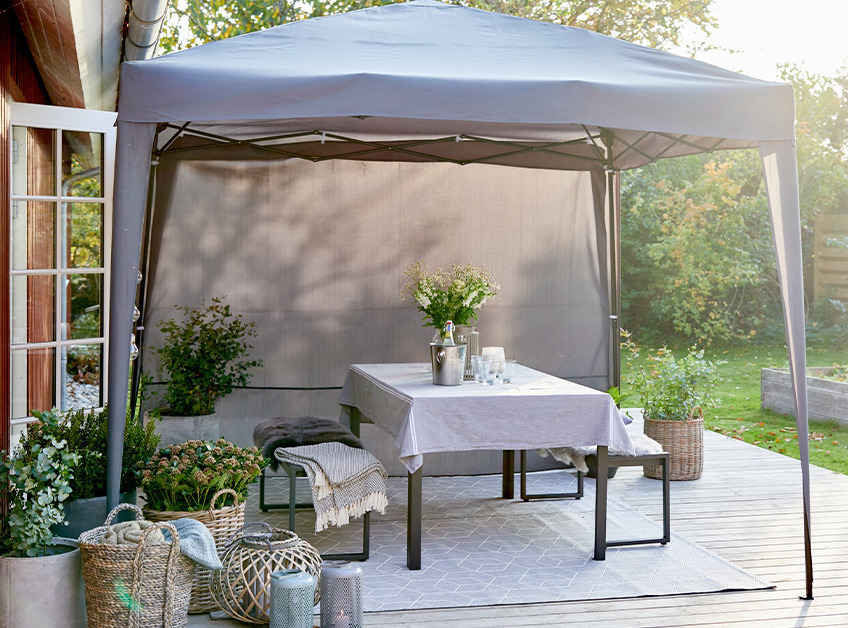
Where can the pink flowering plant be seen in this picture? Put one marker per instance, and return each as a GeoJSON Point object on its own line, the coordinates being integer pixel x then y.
{"type": "Point", "coordinates": [186, 476]}
{"type": "Point", "coordinates": [456, 295]}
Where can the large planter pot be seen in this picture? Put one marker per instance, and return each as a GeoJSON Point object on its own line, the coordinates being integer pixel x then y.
{"type": "Point", "coordinates": [87, 514]}
{"type": "Point", "coordinates": [827, 399]}
{"type": "Point", "coordinates": [684, 441]}
{"type": "Point", "coordinates": [223, 523]}
{"type": "Point", "coordinates": [43, 591]}
{"type": "Point", "coordinates": [179, 429]}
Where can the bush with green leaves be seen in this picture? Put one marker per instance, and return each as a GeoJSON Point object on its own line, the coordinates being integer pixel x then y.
{"type": "Point", "coordinates": [186, 476]}
{"type": "Point", "coordinates": [86, 432]}
{"type": "Point", "coordinates": [35, 481]}
{"type": "Point", "coordinates": [669, 387]}
{"type": "Point", "coordinates": [204, 355]}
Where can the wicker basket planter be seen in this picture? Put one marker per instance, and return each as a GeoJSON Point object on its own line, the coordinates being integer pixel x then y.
{"type": "Point", "coordinates": [684, 441]}
{"type": "Point", "coordinates": [135, 586]}
{"type": "Point", "coordinates": [223, 523]}
{"type": "Point", "coordinates": [243, 587]}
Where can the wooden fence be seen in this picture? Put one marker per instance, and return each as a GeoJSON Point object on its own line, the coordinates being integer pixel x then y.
{"type": "Point", "coordinates": [830, 269]}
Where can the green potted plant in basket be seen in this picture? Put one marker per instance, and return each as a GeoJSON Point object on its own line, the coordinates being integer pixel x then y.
{"type": "Point", "coordinates": [456, 295]}
{"type": "Point", "coordinates": [673, 391]}
{"type": "Point", "coordinates": [206, 481]}
{"type": "Point", "coordinates": [86, 432]}
{"type": "Point", "coordinates": [35, 482]}
{"type": "Point", "coordinates": [204, 356]}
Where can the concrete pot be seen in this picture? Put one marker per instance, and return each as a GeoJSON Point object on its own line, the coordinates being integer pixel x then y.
{"type": "Point", "coordinates": [179, 429]}
{"type": "Point", "coordinates": [43, 591]}
{"type": "Point", "coordinates": [87, 514]}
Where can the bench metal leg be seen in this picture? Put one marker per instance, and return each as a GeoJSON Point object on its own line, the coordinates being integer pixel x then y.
{"type": "Point", "coordinates": [264, 506]}
{"type": "Point", "coordinates": [292, 507]}
{"type": "Point", "coordinates": [632, 461]}
{"type": "Point", "coordinates": [528, 496]}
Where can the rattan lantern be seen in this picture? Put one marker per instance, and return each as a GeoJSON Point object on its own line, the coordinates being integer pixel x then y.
{"type": "Point", "coordinates": [243, 587]}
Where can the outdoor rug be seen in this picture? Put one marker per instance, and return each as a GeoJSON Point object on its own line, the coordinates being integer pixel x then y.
{"type": "Point", "coordinates": [480, 550]}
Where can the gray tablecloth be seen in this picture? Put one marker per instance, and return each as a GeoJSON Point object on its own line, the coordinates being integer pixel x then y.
{"type": "Point", "coordinates": [535, 411]}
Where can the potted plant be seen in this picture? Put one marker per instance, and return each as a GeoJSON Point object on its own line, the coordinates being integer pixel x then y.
{"type": "Point", "coordinates": [40, 574]}
{"type": "Point", "coordinates": [206, 481]}
{"type": "Point", "coordinates": [672, 393]}
{"type": "Point", "coordinates": [445, 296]}
{"type": "Point", "coordinates": [204, 355]}
{"type": "Point", "coordinates": [86, 433]}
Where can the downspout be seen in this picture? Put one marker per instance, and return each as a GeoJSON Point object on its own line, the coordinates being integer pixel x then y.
{"type": "Point", "coordinates": [144, 24]}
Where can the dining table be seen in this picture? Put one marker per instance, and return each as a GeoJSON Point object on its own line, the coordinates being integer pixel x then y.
{"type": "Point", "coordinates": [534, 410]}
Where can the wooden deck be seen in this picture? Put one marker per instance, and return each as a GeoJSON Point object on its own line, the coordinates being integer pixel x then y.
{"type": "Point", "coordinates": [746, 508]}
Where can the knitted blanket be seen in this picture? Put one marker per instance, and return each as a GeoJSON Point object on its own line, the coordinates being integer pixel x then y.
{"type": "Point", "coordinates": [346, 482]}
{"type": "Point", "coordinates": [643, 445]}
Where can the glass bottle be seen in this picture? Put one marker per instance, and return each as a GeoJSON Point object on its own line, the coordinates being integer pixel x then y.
{"type": "Point", "coordinates": [447, 337]}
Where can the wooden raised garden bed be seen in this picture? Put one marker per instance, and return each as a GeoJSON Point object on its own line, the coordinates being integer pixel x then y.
{"type": "Point", "coordinates": [826, 399]}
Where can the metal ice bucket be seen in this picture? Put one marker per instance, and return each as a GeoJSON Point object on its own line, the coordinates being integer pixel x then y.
{"type": "Point", "coordinates": [448, 363]}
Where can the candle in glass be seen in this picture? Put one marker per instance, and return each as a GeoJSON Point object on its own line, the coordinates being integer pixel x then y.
{"type": "Point", "coordinates": [497, 355]}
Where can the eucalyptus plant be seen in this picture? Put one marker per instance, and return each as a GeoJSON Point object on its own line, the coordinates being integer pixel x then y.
{"type": "Point", "coordinates": [35, 481]}
{"type": "Point", "coordinates": [205, 357]}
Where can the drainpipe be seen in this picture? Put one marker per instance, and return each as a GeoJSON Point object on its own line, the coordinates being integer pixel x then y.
{"type": "Point", "coordinates": [144, 23]}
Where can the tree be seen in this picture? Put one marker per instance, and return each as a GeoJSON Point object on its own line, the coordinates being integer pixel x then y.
{"type": "Point", "coordinates": [697, 253]}
{"type": "Point", "coordinates": [657, 23]}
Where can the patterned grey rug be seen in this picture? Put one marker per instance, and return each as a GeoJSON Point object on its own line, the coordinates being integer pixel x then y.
{"type": "Point", "coordinates": [480, 550]}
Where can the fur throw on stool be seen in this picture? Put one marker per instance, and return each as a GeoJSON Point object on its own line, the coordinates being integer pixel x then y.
{"type": "Point", "coordinates": [644, 445]}
{"type": "Point", "coordinates": [300, 431]}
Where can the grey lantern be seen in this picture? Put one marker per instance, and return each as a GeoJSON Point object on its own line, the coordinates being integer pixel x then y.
{"type": "Point", "coordinates": [341, 595]}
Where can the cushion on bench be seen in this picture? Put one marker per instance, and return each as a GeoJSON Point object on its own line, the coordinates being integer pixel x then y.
{"type": "Point", "coordinates": [299, 431]}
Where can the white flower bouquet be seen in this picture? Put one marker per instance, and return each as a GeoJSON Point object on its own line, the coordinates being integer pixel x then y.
{"type": "Point", "coordinates": [448, 296]}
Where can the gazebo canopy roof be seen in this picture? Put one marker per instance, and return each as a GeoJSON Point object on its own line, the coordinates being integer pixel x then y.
{"type": "Point", "coordinates": [423, 81]}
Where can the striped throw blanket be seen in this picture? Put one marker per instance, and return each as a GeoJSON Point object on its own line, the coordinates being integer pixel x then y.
{"type": "Point", "coordinates": [346, 482]}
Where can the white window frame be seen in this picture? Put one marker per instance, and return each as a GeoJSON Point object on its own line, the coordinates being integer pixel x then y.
{"type": "Point", "coordinates": [61, 119]}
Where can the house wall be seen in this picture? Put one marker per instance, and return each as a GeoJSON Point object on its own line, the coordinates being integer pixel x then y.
{"type": "Point", "coordinates": [20, 82]}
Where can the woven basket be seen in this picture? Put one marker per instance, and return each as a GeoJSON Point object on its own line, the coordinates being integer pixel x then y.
{"type": "Point", "coordinates": [135, 586]}
{"type": "Point", "coordinates": [684, 441]}
{"type": "Point", "coordinates": [222, 523]}
{"type": "Point", "coordinates": [243, 587]}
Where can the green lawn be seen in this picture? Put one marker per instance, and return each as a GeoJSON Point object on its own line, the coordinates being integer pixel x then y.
{"type": "Point", "coordinates": [739, 415]}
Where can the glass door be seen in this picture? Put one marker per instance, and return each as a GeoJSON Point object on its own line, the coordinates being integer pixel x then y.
{"type": "Point", "coordinates": [62, 163]}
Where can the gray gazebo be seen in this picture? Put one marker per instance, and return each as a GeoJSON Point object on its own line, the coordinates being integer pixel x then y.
{"type": "Point", "coordinates": [303, 167]}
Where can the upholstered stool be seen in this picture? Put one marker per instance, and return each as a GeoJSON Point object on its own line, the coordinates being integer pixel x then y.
{"type": "Point", "coordinates": [294, 432]}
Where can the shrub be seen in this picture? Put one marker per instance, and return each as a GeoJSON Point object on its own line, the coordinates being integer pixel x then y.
{"type": "Point", "coordinates": [670, 387]}
{"type": "Point", "coordinates": [203, 356]}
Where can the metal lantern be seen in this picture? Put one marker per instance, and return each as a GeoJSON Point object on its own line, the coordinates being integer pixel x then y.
{"type": "Point", "coordinates": [292, 599]}
{"type": "Point", "coordinates": [341, 594]}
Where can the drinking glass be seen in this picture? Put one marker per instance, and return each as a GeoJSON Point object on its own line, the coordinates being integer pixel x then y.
{"type": "Point", "coordinates": [508, 371]}
{"type": "Point", "coordinates": [490, 370]}
{"type": "Point", "coordinates": [479, 367]}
